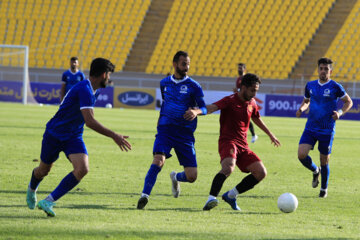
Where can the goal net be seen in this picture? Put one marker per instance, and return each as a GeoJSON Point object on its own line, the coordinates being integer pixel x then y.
{"type": "Point", "coordinates": [14, 74]}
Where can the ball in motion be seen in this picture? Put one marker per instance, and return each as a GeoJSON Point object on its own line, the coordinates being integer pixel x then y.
{"type": "Point", "coordinates": [108, 105]}
{"type": "Point", "coordinates": [287, 202]}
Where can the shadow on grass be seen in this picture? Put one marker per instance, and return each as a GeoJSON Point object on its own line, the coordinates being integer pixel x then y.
{"type": "Point", "coordinates": [89, 206]}
{"type": "Point", "coordinates": [79, 191]}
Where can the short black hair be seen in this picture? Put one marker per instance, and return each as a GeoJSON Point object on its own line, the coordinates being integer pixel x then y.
{"type": "Point", "coordinates": [326, 61]}
{"type": "Point", "coordinates": [178, 54]}
{"type": "Point", "coordinates": [242, 65]}
{"type": "Point", "coordinates": [74, 58]}
{"type": "Point", "coordinates": [250, 79]}
{"type": "Point", "coordinates": [99, 66]}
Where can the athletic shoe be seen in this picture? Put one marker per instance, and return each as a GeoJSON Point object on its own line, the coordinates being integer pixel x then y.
{"type": "Point", "coordinates": [47, 206]}
{"type": "Point", "coordinates": [31, 199]}
{"type": "Point", "coordinates": [315, 181]}
{"type": "Point", "coordinates": [254, 138]}
{"type": "Point", "coordinates": [142, 202]}
{"type": "Point", "coordinates": [323, 193]}
{"type": "Point", "coordinates": [175, 186]}
{"type": "Point", "coordinates": [231, 201]}
{"type": "Point", "coordinates": [210, 204]}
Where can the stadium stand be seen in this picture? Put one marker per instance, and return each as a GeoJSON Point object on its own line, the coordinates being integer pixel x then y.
{"type": "Point", "coordinates": [320, 43]}
{"type": "Point", "coordinates": [345, 48]}
{"type": "Point", "coordinates": [56, 30]}
{"type": "Point", "coordinates": [268, 35]}
{"type": "Point", "coordinates": [274, 38]}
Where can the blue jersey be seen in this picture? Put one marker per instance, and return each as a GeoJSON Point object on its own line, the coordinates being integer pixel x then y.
{"type": "Point", "coordinates": [178, 96]}
{"type": "Point", "coordinates": [70, 79]}
{"type": "Point", "coordinates": [323, 99]}
{"type": "Point", "coordinates": [68, 121]}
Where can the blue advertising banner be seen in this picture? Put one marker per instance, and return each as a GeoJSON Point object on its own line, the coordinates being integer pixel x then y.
{"type": "Point", "coordinates": [46, 93]}
{"type": "Point", "coordinates": [286, 106]}
{"type": "Point", "coordinates": [106, 96]}
{"type": "Point", "coordinates": [10, 91]}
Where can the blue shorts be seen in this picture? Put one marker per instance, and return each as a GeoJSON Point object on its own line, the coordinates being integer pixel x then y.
{"type": "Point", "coordinates": [325, 141]}
{"type": "Point", "coordinates": [179, 138]}
{"type": "Point", "coordinates": [51, 147]}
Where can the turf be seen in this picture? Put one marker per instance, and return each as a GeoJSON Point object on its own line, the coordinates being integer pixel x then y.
{"type": "Point", "coordinates": [103, 205]}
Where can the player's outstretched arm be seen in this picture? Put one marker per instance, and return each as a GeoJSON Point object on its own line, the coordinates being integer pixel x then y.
{"type": "Point", "coordinates": [303, 107]}
{"type": "Point", "coordinates": [92, 123]}
{"type": "Point", "coordinates": [262, 126]}
{"type": "Point", "coordinates": [211, 108]}
{"type": "Point", "coordinates": [192, 113]}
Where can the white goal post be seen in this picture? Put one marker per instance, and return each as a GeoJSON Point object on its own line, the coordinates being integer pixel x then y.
{"type": "Point", "coordinates": [22, 50]}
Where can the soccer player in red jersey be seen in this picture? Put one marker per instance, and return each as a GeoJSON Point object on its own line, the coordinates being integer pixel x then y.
{"type": "Point", "coordinates": [236, 111]}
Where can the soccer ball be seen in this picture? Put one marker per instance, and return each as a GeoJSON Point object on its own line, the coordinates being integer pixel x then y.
{"type": "Point", "coordinates": [108, 105]}
{"type": "Point", "coordinates": [287, 202]}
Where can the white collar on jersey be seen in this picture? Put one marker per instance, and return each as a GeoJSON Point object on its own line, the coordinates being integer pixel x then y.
{"type": "Point", "coordinates": [74, 72]}
{"type": "Point", "coordinates": [178, 81]}
{"type": "Point", "coordinates": [322, 84]}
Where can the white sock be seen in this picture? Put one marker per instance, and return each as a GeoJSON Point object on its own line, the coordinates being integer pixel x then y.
{"type": "Point", "coordinates": [50, 198]}
{"type": "Point", "coordinates": [144, 195]}
{"type": "Point", "coordinates": [233, 193]}
{"type": "Point", "coordinates": [316, 171]}
{"type": "Point", "coordinates": [211, 197]}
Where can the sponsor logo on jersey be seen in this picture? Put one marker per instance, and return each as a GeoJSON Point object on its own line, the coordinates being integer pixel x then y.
{"type": "Point", "coordinates": [183, 89]}
{"type": "Point", "coordinates": [326, 92]}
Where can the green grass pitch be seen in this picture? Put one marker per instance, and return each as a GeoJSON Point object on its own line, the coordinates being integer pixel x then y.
{"type": "Point", "coordinates": [103, 205]}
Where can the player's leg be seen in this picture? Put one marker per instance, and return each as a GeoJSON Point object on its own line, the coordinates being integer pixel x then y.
{"type": "Point", "coordinates": [76, 152]}
{"type": "Point", "coordinates": [252, 130]}
{"type": "Point", "coordinates": [325, 173]}
{"type": "Point", "coordinates": [161, 151]}
{"type": "Point", "coordinates": [37, 176]}
{"type": "Point", "coordinates": [307, 142]}
{"type": "Point", "coordinates": [150, 179]}
{"type": "Point", "coordinates": [80, 163]}
{"type": "Point", "coordinates": [185, 151]}
{"type": "Point", "coordinates": [248, 162]}
{"type": "Point", "coordinates": [50, 150]}
{"type": "Point", "coordinates": [325, 147]}
{"type": "Point", "coordinates": [227, 167]}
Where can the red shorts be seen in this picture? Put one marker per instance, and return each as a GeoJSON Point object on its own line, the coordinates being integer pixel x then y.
{"type": "Point", "coordinates": [244, 157]}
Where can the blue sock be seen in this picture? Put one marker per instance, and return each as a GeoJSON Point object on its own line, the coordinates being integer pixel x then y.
{"type": "Point", "coordinates": [150, 178]}
{"type": "Point", "coordinates": [325, 173]}
{"type": "Point", "coordinates": [68, 183]}
{"type": "Point", "coordinates": [308, 163]}
{"type": "Point", "coordinates": [34, 182]}
{"type": "Point", "coordinates": [181, 177]}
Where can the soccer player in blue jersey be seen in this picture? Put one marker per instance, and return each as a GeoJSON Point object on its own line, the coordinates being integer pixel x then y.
{"type": "Point", "coordinates": [71, 77]}
{"type": "Point", "coordinates": [322, 96]}
{"type": "Point", "coordinates": [182, 102]}
{"type": "Point", "coordinates": [64, 133]}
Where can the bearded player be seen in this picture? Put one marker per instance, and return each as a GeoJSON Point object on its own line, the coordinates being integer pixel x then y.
{"type": "Point", "coordinates": [236, 112]}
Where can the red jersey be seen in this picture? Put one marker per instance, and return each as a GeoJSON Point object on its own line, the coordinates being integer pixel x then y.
{"type": "Point", "coordinates": [235, 118]}
{"type": "Point", "coordinates": [238, 82]}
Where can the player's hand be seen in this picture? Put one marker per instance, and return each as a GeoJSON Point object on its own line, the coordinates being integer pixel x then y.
{"type": "Point", "coordinates": [298, 113]}
{"type": "Point", "coordinates": [191, 114]}
{"type": "Point", "coordinates": [275, 141]}
{"type": "Point", "coordinates": [336, 115]}
{"type": "Point", "coordinates": [121, 141]}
